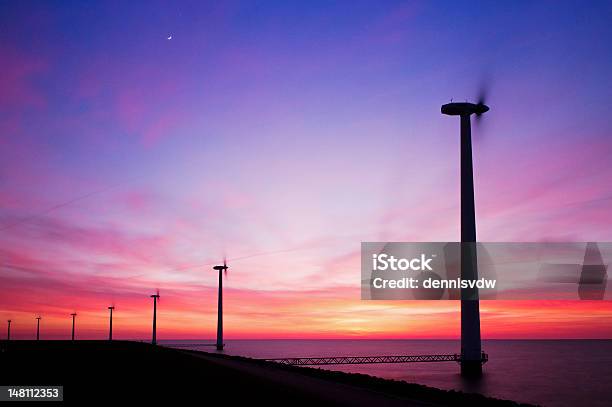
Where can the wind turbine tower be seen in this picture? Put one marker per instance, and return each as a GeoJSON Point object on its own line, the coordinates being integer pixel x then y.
{"type": "Point", "coordinates": [8, 333]}
{"type": "Point", "coordinates": [38, 328]}
{"type": "Point", "coordinates": [222, 270]}
{"type": "Point", "coordinates": [73, 318]}
{"type": "Point", "coordinates": [155, 299]}
{"type": "Point", "coordinates": [471, 350]}
{"type": "Point", "coordinates": [110, 328]}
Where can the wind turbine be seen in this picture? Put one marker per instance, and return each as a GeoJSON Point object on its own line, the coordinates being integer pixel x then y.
{"type": "Point", "coordinates": [8, 334]}
{"type": "Point", "coordinates": [73, 318]}
{"type": "Point", "coordinates": [471, 350]}
{"type": "Point", "coordinates": [155, 299]}
{"type": "Point", "coordinates": [110, 329]}
{"type": "Point", "coordinates": [222, 270]}
{"type": "Point", "coordinates": [38, 328]}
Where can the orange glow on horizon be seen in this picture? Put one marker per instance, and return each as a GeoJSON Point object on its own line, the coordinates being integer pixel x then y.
{"type": "Point", "coordinates": [292, 316]}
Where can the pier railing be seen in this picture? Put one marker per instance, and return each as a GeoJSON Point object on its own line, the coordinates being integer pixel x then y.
{"type": "Point", "coordinates": [359, 360]}
{"type": "Point", "coordinates": [354, 360]}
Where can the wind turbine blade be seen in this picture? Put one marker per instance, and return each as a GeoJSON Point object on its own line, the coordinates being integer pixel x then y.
{"type": "Point", "coordinates": [481, 98]}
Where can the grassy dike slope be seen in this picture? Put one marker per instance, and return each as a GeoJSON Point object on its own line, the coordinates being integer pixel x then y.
{"type": "Point", "coordinates": [105, 371]}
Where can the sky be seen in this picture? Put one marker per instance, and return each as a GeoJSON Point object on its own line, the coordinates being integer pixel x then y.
{"type": "Point", "coordinates": [141, 142]}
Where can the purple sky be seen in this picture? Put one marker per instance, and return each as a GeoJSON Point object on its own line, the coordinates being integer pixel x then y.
{"type": "Point", "coordinates": [301, 128]}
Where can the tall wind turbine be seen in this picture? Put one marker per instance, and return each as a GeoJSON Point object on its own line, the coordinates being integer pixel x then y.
{"type": "Point", "coordinates": [155, 299]}
{"type": "Point", "coordinates": [38, 328]}
{"type": "Point", "coordinates": [471, 351]}
{"type": "Point", "coordinates": [222, 270]}
{"type": "Point", "coordinates": [110, 328]}
{"type": "Point", "coordinates": [8, 334]}
{"type": "Point", "coordinates": [73, 318]}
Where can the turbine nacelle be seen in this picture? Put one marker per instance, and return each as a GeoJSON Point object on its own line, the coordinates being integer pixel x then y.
{"type": "Point", "coordinates": [464, 109]}
{"type": "Point", "coordinates": [222, 268]}
{"type": "Point", "coordinates": [156, 295]}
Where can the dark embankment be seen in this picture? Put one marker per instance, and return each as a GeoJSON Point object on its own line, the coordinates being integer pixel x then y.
{"type": "Point", "coordinates": [110, 372]}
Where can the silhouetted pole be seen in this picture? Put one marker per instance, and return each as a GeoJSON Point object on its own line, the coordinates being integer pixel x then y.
{"type": "Point", "coordinates": [220, 314]}
{"type": "Point", "coordinates": [37, 328]}
{"type": "Point", "coordinates": [471, 363]}
{"type": "Point", "coordinates": [471, 350]}
{"type": "Point", "coordinates": [73, 318]}
{"type": "Point", "coordinates": [8, 334]}
{"type": "Point", "coordinates": [155, 297]}
{"type": "Point", "coordinates": [110, 328]}
{"type": "Point", "coordinates": [221, 270]}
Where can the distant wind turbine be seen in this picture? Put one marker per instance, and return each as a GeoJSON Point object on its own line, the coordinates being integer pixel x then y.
{"type": "Point", "coordinates": [110, 328]}
{"type": "Point", "coordinates": [222, 270]}
{"type": "Point", "coordinates": [73, 318]}
{"type": "Point", "coordinates": [38, 328]}
{"type": "Point", "coordinates": [155, 299]}
{"type": "Point", "coordinates": [8, 334]}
